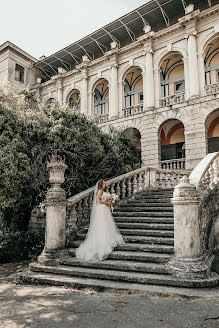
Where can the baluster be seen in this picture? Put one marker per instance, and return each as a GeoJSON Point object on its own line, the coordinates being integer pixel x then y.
{"type": "Point", "coordinates": [140, 182]}
{"type": "Point", "coordinates": [112, 188]}
{"type": "Point", "coordinates": [118, 188]}
{"type": "Point", "coordinates": [215, 166]}
{"type": "Point", "coordinates": [129, 187]}
{"type": "Point", "coordinates": [108, 189]}
{"type": "Point", "coordinates": [123, 189]}
{"type": "Point", "coordinates": [135, 184]}
{"type": "Point", "coordinates": [79, 213]}
{"type": "Point", "coordinates": [163, 180]}
{"type": "Point", "coordinates": [211, 174]}
{"type": "Point", "coordinates": [158, 182]}
{"type": "Point", "coordinates": [146, 179]}
{"type": "Point", "coordinates": [168, 180]}
{"type": "Point", "coordinates": [86, 211]}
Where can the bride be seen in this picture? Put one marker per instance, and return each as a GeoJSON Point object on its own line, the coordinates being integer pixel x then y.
{"type": "Point", "coordinates": [103, 234]}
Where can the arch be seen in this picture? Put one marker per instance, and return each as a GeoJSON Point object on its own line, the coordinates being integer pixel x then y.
{"type": "Point", "coordinates": [128, 67]}
{"type": "Point", "coordinates": [134, 135]}
{"type": "Point", "coordinates": [171, 144]}
{"type": "Point", "coordinates": [132, 95]}
{"type": "Point", "coordinates": [68, 92]}
{"type": "Point", "coordinates": [212, 131]}
{"type": "Point", "coordinates": [206, 40]}
{"type": "Point", "coordinates": [158, 60]}
{"type": "Point", "coordinates": [74, 99]}
{"type": "Point", "coordinates": [101, 97]}
{"type": "Point", "coordinates": [211, 60]}
{"type": "Point", "coordinates": [172, 76]}
{"type": "Point", "coordinates": [51, 101]}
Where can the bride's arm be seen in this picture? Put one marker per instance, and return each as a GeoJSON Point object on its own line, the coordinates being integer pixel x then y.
{"type": "Point", "coordinates": [99, 195]}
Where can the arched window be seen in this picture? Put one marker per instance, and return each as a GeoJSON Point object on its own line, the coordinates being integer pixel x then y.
{"type": "Point", "coordinates": [211, 62]}
{"type": "Point", "coordinates": [133, 87]}
{"type": "Point", "coordinates": [74, 101]}
{"type": "Point", "coordinates": [172, 75]}
{"type": "Point", "coordinates": [101, 98]}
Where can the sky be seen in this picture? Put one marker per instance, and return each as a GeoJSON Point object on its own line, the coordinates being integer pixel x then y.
{"type": "Point", "coordinates": [42, 27]}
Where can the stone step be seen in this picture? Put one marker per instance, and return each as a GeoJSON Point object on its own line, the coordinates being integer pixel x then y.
{"type": "Point", "coordinates": [145, 219]}
{"type": "Point", "coordinates": [154, 226]}
{"type": "Point", "coordinates": [115, 265]}
{"type": "Point", "coordinates": [140, 214]}
{"type": "Point", "coordinates": [141, 232]}
{"type": "Point", "coordinates": [86, 277]}
{"type": "Point", "coordinates": [138, 232]}
{"type": "Point", "coordinates": [131, 208]}
{"type": "Point", "coordinates": [142, 226]}
{"type": "Point", "coordinates": [148, 240]}
{"type": "Point", "coordinates": [146, 205]}
{"type": "Point", "coordinates": [140, 239]}
{"type": "Point", "coordinates": [155, 248]}
{"type": "Point", "coordinates": [149, 200]}
{"type": "Point", "coordinates": [134, 256]}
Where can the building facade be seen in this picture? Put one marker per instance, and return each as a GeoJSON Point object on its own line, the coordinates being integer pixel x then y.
{"type": "Point", "coordinates": [16, 66]}
{"type": "Point", "coordinates": [154, 72]}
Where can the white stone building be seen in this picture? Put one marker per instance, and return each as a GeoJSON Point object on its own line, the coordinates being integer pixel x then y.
{"type": "Point", "coordinates": [154, 71]}
{"type": "Point", "coordinates": [16, 66]}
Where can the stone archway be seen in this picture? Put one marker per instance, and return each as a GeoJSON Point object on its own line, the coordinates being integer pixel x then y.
{"type": "Point", "coordinates": [134, 136]}
{"type": "Point", "coordinates": [212, 131]}
{"type": "Point", "coordinates": [172, 144]}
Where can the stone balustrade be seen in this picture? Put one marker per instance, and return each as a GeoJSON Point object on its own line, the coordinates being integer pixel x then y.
{"type": "Point", "coordinates": [126, 185]}
{"type": "Point", "coordinates": [102, 118]}
{"type": "Point", "coordinates": [133, 110]}
{"type": "Point", "coordinates": [195, 218]}
{"type": "Point", "coordinates": [172, 100]}
{"type": "Point", "coordinates": [212, 89]}
{"type": "Point", "coordinates": [174, 164]}
{"type": "Point", "coordinates": [205, 176]}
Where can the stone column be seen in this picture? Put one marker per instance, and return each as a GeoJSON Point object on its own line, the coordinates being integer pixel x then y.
{"type": "Point", "coordinates": [60, 92]}
{"type": "Point", "coordinates": [193, 66]}
{"type": "Point", "coordinates": [55, 235]}
{"type": "Point", "coordinates": [149, 80]}
{"type": "Point", "coordinates": [84, 95]}
{"type": "Point", "coordinates": [114, 100]}
{"type": "Point", "coordinates": [189, 261]}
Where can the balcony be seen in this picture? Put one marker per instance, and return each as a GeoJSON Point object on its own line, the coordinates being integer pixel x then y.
{"type": "Point", "coordinates": [173, 164]}
{"type": "Point", "coordinates": [132, 110]}
{"type": "Point", "coordinates": [212, 89]}
{"type": "Point", "coordinates": [172, 100]}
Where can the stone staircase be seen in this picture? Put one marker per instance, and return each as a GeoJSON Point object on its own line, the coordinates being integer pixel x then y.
{"type": "Point", "coordinates": [146, 223]}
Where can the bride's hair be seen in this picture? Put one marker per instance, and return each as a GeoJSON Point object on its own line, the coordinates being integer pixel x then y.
{"type": "Point", "coordinates": [100, 184]}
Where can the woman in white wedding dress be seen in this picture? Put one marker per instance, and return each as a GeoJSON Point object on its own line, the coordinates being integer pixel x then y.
{"type": "Point", "coordinates": [103, 234]}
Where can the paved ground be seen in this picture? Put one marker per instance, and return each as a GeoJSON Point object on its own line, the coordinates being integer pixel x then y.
{"type": "Point", "coordinates": [59, 307]}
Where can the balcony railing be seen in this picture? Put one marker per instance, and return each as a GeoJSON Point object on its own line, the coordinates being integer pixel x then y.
{"type": "Point", "coordinates": [172, 100]}
{"type": "Point", "coordinates": [102, 118]}
{"type": "Point", "coordinates": [132, 110]}
{"type": "Point", "coordinates": [212, 89]}
{"type": "Point", "coordinates": [173, 164]}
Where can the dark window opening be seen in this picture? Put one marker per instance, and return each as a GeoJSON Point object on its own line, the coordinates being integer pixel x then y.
{"type": "Point", "coordinates": [19, 73]}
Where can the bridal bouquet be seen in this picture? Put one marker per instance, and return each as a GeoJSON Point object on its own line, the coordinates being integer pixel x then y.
{"type": "Point", "coordinates": [107, 197]}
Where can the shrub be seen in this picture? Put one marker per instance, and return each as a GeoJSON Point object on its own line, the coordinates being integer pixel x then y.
{"type": "Point", "coordinates": [20, 245]}
{"type": "Point", "coordinates": [30, 132]}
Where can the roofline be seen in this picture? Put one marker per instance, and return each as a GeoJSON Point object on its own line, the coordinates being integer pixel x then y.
{"type": "Point", "coordinates": [117, 19]}
{"type": "Point", "coordinates": [11, 45]}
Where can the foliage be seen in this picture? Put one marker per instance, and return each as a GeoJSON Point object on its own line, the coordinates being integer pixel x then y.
{"type": "Point", "coordinates": [30, 132]}
{"type": "Point", "coordinates": [20, 246]}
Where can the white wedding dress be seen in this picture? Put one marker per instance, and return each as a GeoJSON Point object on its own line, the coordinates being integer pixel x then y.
{"type": "Point", "coordinates": [103, 234]}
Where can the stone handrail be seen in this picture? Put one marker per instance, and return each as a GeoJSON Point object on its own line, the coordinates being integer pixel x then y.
{"type": "Point", "coordinates": [177, 98]}
{"type": "Point", "coordinates": [173, 164]}
{"type": "Point", "coordinates": [133, 110]}
{"type": "Point", "coordinates": [126, 186]}
{"type": "Point", "coordinates": [205, 176]}
{"type": "Point", "coordinates": [212, 89]}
